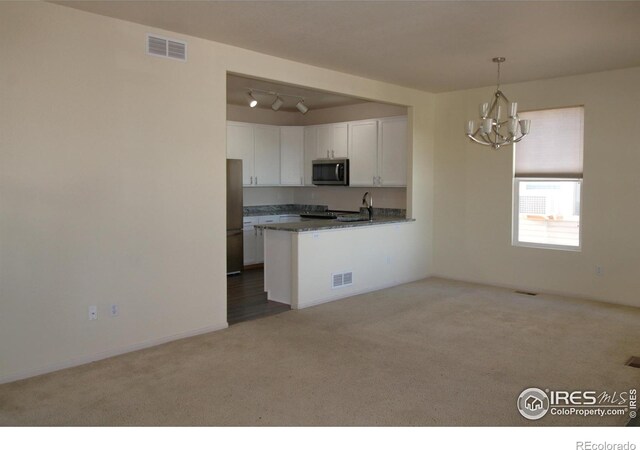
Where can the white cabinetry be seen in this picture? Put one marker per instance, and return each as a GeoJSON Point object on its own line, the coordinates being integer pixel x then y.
{"type": "Point", "coordinates": [267, 155]}
{"type": "Point", "coordinates": [363, 153]}
{"type": "Point", "coordinates": [378, 152]}
{"type": "Point", "coordinates": [291, 155]}
{"type": "Point", "coordinates": [333, 141]}
{"type": "Point", "coordinates": [253, 238]}
{"type": "Point", "coordinates": [249, 238]}
{"type": "Point", "coordinates": [240, 145]}
{"type": "Point", "coordinates": [258, 146]}
{"type": "Point", "coordinates": [393, 151]}
{"type": "Point", "coordinates": [310, 152]}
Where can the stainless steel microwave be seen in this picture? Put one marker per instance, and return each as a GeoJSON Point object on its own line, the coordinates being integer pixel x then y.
{"type": "Point", "coordinates": [331, 172]}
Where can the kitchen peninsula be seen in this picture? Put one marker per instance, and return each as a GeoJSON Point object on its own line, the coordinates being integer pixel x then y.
{"type": "Point", "coordinates": [312, 262]}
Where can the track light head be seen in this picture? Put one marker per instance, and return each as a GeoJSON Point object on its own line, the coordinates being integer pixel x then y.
{"type": "Point", "coordinates": [302, 107]}
{"type": "Point", "coordinates": [277, 103]}
{"type": "Point", "coordinates": [252, 100]}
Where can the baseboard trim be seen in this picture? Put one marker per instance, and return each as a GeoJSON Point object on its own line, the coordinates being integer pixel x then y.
{"type": "Point", "coordinates": [109, 353]}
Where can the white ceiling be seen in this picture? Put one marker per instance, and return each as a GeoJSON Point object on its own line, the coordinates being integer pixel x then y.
{"type": "Point", "coordinates": [435, 46]}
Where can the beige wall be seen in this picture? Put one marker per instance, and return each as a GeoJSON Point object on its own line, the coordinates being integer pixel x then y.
{"type": "Point", "coordinates": [473, 193]}
{"type": "Point", "coordinates": [112, 182]}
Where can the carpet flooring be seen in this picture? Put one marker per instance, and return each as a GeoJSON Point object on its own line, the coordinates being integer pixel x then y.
{"type": "Point", "coordinates": [433, 352]}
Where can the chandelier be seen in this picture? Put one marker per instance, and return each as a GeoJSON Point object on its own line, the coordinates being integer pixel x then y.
{"type": "Point", "coordinates": [492, 130]}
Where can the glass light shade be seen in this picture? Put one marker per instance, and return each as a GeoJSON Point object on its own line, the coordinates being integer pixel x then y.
{"type": "Point", "coordinates": [470, 126]}
{"type": "Point", "coordinates": [525, 125]}
{"type": "Point", "coordinates": [513, 109]}
{"type": "Point", "coordinates": [487, 124]}
{"type": "Point", "coordinates": [484, 110]}
{"type": "Point", "coordinates": [513, 125]}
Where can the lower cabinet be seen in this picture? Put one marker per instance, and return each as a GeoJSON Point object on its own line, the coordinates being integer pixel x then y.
{"type": "Point", "coordinates": [253, 238]}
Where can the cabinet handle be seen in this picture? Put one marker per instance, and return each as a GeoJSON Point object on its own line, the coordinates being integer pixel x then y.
{"type": "Point", "coordinates": [333, 154]}
{"type": "Point", "coordinates": [301, 181]}
{"type": "Point", "coordinates": [255, 231]}
{"type": "Point", "coordinates": [256, 179]}
{"type": "Point", "coordinates": [379, 181]}
{"type": "Point", "coordinates": [374, 180]}
{"type": "Point", "coordinates": [251, 180]}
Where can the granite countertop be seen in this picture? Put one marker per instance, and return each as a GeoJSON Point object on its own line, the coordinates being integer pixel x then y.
{"type": "Point", "coordinates": [323, 224]}
{"type": "Point", "coordinates": [275, 210]}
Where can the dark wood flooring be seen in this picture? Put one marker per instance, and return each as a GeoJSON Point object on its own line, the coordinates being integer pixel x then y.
{"type": "Point", "coordinates": [246, 299]}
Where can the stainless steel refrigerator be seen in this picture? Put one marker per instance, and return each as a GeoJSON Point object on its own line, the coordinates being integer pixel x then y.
{"type": "Point", "coordinates": [235, 252]}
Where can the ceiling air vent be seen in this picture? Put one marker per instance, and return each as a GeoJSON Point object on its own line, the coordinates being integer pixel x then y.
{"type": "Point", "coordinates": [339, 280]}
{"type": "Point", "coordinates": [166, 48]}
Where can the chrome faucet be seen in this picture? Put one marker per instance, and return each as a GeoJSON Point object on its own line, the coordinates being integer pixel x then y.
{"type": "Point", "coordinates": [369, 205]}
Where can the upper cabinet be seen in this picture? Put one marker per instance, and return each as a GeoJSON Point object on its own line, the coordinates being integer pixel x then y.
{"type": "Point", "coordinates": [392, 151]}
{"type": "Point", "coordinates": [240, 146]}
{"type": "Point", "coordinates": [267, 155]}
{"type": "Point", "coordinates": [282, 156]}
{"type": "Point", "coordinates": [310, 152]}
{"type": "Point", "coordinates": [333, 141]}
{"type": "Point", "coordinates": [258, 146]}
{"type": "Point", "coordinates": [363, 153]}
{"type": "Point", "coordinates": [378, 152]}
{"type": "Point", "coordinates": [291, 155]}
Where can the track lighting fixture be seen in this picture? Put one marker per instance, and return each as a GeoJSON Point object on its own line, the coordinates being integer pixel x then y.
{"type": "Point", "coordinates": [277, 103]}
{"type": "Point", "coordinates": [251, 99]}
{"type": "Point", "coordinates": [302, 107]}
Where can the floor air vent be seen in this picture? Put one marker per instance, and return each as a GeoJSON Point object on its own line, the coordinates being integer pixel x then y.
{"type": "Point", "coordinates": [526, 293]}
{"type": "Point", "coordinates": [166, 48]}
{"type": "Point", "coordinates": [634, 361]}
{"type": "Point", "coordinates": [339, 280]}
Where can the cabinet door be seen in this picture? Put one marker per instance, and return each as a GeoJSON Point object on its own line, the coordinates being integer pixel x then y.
{"type": "Point", "coordinates": [325, 141]}
{"type": "Point", "coordinates": [260, 237]}
{"type": "Point", "coordinates": [339, 148]}
{"type": "Point", "coordinates": [249, 240]}
{"type": "Point", "coordinates": [240, 145]}
{"type": "Point", "coordinates": [267, 155]}
{"type": "Point", "coordinates": [310, 152]}
{"type": "Point", "coordinates": [393, 151]}
{"type": "Point", "coordinates": [291, 155]}
{"type": "Point", "coordinates": [363, 153]}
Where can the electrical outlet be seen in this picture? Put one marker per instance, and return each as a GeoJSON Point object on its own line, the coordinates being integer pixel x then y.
{"type": "Point", "coordinates": [599, 271]}
{"type": "Point", "coordinates": [93, 313]}
{"type": "Point", "coordinates": [114, 310]}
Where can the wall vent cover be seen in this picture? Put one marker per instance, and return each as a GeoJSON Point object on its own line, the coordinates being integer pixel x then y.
{"type": "Point", "coordinates": [339, 280]}
{"type": "Point", "coordinates": [166, 48]}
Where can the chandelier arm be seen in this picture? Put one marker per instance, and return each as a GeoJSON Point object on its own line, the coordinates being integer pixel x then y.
{"type": "Point", "coordinates": [470, 136]}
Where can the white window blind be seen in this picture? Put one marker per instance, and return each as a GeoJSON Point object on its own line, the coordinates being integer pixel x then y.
{"type": "Point", "coordinates": [553, 149]}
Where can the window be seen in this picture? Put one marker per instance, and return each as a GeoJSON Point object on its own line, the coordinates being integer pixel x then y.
{"type": "Point", "coordinates": [547, 182]}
